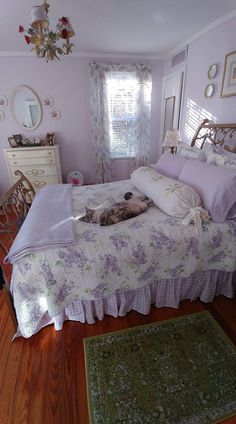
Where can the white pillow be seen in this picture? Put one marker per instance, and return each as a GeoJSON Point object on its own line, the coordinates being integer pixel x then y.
{"type": "Point", "coordinates": [192, 152]}
{"type": "Point", "coordinates": [223, 158]}
{"type": "Point", "coordinates": [172, 197]}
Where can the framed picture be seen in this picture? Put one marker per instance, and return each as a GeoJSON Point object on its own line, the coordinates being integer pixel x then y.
{"type": "Point", "coordinates": [15, 140]}
{"type": "Point", "coordinates": [12, 142]}
{"type": "Point", "coordinates": [229, 78]}
{"type": "Point", "coordinates": [50, 139]}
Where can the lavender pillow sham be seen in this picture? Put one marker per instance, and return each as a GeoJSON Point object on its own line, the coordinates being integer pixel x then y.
{"type": "Point", "coordinates": [170, 165]}
{"type": "Point", "coordinates": [216, 186]}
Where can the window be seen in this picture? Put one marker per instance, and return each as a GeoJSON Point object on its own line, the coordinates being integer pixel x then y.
{"type": "Point", "coordinates": [120, 97]}
{"type": "Point", "coordinates": [123, 98]}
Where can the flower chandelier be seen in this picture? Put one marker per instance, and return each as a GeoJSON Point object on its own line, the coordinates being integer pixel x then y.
{"type": "Point", "coordinates": [48, 44]}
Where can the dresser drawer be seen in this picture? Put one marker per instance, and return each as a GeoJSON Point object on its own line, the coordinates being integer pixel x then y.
{"type": "Point", "coordinates": [36, 171]}
{"type": "Point", "coordinates": [40, 182]}
{"type": "Point", "coordinates": [31, 161]}
{"type": "Point", "coordinates": [33, 153]}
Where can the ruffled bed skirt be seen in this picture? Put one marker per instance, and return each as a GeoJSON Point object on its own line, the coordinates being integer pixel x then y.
{"type": "Point", "coordinates": [204, 285]}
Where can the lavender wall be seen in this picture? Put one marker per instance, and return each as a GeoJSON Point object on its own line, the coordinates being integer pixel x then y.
{"type": "Point", "coordinates": [67, 82]}
{"type": "Point", "coordinates": [208, 49]}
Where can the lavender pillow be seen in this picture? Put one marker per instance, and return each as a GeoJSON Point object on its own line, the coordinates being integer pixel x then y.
{"type": "Point", "coordinates": [170, 165]}
{"type": "Point", "coordinates": [216, 186]}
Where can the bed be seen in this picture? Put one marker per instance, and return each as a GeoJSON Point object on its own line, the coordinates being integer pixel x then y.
{"type": "Point", "coordinates": [150, 259]}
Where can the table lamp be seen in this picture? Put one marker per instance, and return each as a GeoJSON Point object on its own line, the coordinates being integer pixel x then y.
{"type": "Point", "coordinates": [172, 138]}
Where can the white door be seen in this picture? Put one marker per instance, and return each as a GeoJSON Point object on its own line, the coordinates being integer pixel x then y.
{"type": "Point", "coordinates": [171, 102]}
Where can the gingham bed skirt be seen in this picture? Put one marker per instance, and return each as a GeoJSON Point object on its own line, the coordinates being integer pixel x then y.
{"type": "Point", "coordinates": [204, 285]}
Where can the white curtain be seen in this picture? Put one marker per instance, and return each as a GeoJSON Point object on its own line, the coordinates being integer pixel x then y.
{"type": "Point", "coordinates": [101, 75]}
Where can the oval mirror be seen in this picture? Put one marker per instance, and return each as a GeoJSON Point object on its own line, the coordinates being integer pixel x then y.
{"type": "Point", "coordinates": [26, 107]}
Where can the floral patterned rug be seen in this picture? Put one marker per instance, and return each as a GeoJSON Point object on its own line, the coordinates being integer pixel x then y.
{"type": "Point", "coordinates": [179, 371]}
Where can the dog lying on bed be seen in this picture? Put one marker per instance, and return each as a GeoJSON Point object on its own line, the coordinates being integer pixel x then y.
{"type": "Point", "coordinates": [120, 211]}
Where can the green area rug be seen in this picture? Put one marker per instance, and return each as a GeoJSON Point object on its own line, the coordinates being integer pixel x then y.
{"type": "Point", "coordinates": [178, 371]}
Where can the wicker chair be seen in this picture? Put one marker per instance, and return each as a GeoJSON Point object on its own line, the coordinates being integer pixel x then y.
{"type": "Point", "coordinates": [14, 206]}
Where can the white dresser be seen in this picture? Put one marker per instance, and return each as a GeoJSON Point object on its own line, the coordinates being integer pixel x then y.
{"type": "Point", "coordinates": [41, 165]}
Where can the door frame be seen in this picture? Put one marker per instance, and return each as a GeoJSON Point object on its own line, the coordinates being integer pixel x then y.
{"type": "Point", "coordinates": [181, 69]}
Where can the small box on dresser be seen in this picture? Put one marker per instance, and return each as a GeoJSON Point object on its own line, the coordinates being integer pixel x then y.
{"type": "Point", "coordinates": [41, 165]}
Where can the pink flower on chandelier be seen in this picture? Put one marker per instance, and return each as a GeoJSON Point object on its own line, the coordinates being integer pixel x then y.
{"type": "Point", "coordinates": [64, 20]}
{"type": "Point", "coordinates": [27, 39]}
{"type": "Point", "coordinates": [64, 34]}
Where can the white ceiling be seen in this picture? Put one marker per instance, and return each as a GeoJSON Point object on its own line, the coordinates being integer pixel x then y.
{"type": "Point", "coordinates": [145, 28]}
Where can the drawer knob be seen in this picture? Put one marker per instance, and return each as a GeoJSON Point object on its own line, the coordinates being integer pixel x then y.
{"type": "Point", "coordinates": [13, 155]}
{"type": "Point", "coordinates": [35, 172]}
{"type": "Point", "coordinates": [39, 183]}
{"type": "Point", "coordinates": [50, 153]}
{"type": "Point", "coordinates": [15, 163]}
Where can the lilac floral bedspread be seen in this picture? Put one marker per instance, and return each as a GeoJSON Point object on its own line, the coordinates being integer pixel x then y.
{"type": "Point", "coordinates": [127, 255]}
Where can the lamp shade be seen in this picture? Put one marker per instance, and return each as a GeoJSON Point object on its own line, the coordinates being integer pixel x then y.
{"type": "Point", "coordinates": [38, 17]}
{"type": "Point", "coordinates": [172, 138]}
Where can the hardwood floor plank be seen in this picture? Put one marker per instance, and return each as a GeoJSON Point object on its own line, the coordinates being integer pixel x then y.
{"type": "Point", "coordinates": [6, 334]}
{"type": "Point", "coordinates": [81, 331]}
{"type": "Point", "coordinates": [223, 320]}
{"type": "Point", "coordinates": [9, 381]}
{"type": "Point", "coordinates": [69, 379]}
{"type": "Point", "coordinates": [40, 376]}
{"type": "Point", "coordinates": [53, 382]}
{"type": "Point", "coordinates": [21, 409]}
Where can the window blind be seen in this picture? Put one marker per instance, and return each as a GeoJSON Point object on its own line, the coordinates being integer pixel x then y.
{"type": "Point", "coordinates": [123, 92]}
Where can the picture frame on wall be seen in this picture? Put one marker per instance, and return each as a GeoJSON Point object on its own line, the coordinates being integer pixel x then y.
{"type": "Point", "coordinates": [229, 77]}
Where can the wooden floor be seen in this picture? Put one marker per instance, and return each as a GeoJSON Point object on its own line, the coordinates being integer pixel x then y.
{"type": "Point", "coordinates": [42, 379]}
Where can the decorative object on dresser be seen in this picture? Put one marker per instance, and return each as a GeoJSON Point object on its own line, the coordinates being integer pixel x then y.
{"type": "Point", "coordinates": [172, 138]}
{"type": "Point", "coordinates": [17, 140]}
{"type": "Point", "coordinates": [229, 78]}
{"type": "Point", "coordinates": [41, 165]}
{"type": "Point", "coordinates": [26, 107]}
{"type": "Point", "coordinates": [50, 139]}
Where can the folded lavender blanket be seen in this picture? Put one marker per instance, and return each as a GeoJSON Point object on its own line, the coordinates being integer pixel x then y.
{"type": "Point", "coordinates": [49, 223]}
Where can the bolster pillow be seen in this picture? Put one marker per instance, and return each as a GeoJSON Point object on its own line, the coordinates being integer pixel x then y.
{"type": "Point", "coordinates": [172, 197]}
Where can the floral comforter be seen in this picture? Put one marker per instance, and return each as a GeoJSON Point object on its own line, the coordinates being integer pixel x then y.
{"type": "Point", "coordinates": [127, 255]}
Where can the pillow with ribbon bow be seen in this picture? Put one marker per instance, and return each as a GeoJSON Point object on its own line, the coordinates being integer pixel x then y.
{"type": "Point", "coordinates": [171, 196]}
